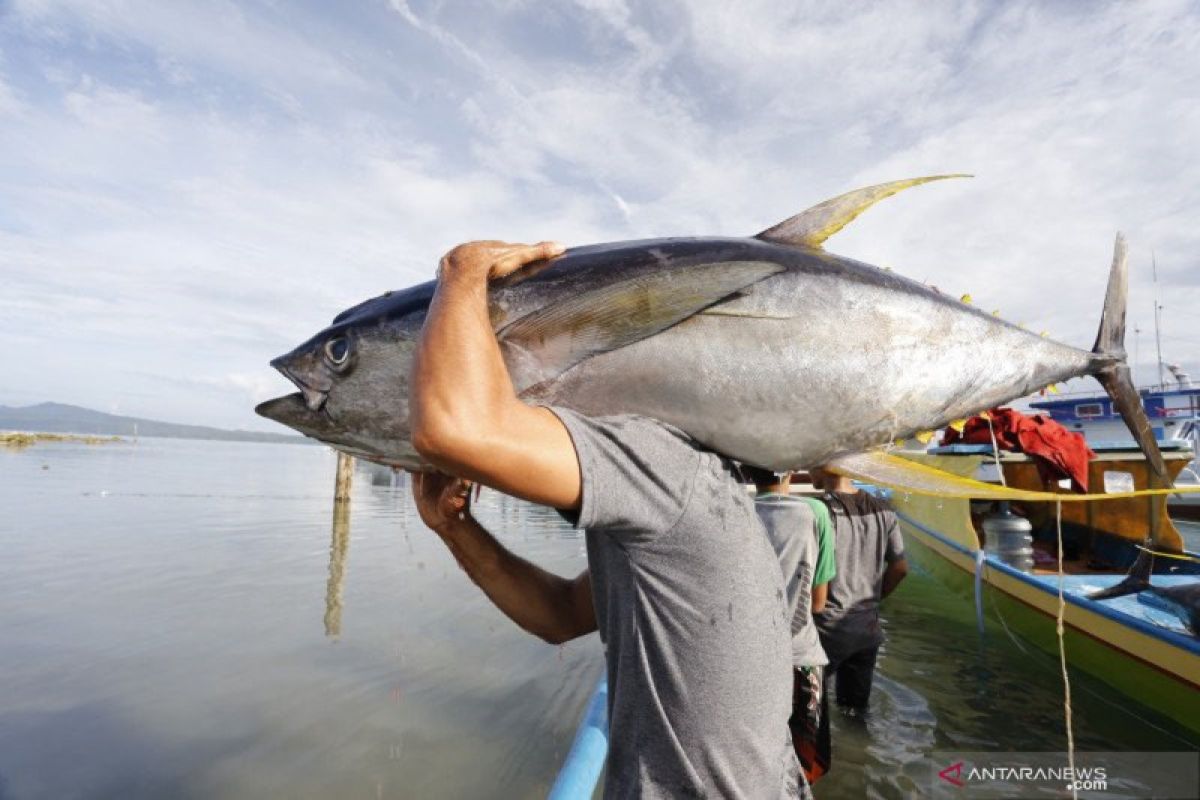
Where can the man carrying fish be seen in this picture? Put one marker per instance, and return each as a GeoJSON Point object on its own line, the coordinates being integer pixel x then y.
{"type": "Point", "coordinates": [727, 342]}
{"type": "Point", "coordinates": [683, 586]}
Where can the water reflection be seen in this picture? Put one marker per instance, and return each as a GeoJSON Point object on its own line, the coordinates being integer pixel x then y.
{"type": "Point", "coordinates": [338, 549]}
{"type": "Point", "coordinates": [121, 675]}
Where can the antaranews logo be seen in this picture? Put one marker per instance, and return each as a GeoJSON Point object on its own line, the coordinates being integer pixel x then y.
{"type": "Point", "coordinates": [953, 775]}
{"type": "Point", "coordinates": [1016, 775]}
{"type": "Point", "coordinates": [1080, 779]}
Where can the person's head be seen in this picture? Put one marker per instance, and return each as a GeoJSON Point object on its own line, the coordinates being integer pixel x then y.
{"type": "Point", "coordinates": [828, 481]}
{"type": "Point", "coordinates": [765, 480]}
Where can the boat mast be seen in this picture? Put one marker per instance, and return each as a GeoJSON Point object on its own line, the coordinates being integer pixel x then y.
{"type": "Point", "coordinates": [1137, 349]}
{"type": "Point", "coordinates": [1157, 323]}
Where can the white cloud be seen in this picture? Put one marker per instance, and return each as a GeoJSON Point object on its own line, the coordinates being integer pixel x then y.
{"type": "Point", "coordinates": [188, 190]}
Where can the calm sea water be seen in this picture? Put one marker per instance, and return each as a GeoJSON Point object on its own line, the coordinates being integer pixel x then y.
{"type": "Point", "coordinates": [189, 620]}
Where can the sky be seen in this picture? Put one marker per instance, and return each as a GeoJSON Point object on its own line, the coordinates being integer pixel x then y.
{"type": "Point", "coordinates": [190, 189]}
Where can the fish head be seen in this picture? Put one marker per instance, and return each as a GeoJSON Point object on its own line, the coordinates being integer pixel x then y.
{"type": "Point", "coordinates": [353, 381]}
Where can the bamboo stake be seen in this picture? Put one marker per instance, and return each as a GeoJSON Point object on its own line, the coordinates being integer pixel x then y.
{"type": "Point", "coordinates": [345, 473]}
{"type": "Point", "coordinates": [338, 549]}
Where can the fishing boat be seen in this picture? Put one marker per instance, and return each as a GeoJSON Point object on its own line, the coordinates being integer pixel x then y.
{"type": "Point", "coordinates": [584, 764]}
{"type": "Point", "coordinates": [997, 541]}
{"type": "Point", "coordinates": [1174, 414]}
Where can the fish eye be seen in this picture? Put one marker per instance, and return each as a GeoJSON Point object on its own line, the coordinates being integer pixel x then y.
{"type": "Point", "coordinates": [338, 350]}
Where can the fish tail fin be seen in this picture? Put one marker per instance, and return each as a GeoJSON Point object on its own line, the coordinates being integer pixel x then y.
{"type": "Point", "coordinates": [1110, 340]}
{"type": "Point", "coordinates": [1112, 371]}
{"type": "Point", "coordinates": [1138, 580]}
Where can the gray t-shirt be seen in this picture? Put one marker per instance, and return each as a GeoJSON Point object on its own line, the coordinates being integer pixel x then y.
{"type": "Point", "coordinates": [691, 610]}
{"type": "Point", "coordinates": [791, 528]}
{"type": "Point", "coordinates": [866, 540]}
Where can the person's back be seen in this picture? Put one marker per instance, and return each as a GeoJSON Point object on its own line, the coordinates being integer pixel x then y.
{"type": "Point", "coordinates": [800, 533]}
{"type": "Point", "coordinates": [690, 605]}
{"type": "Point", "coordinates": [790, 523]}
{"type": "Point", "coordinates": [866, 540]}
{"type": "Point", "coordinates": [870, 558]}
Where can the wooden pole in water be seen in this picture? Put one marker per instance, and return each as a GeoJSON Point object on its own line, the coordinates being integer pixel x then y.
{"type": "Point", "coordinates": [345, 472]}
{"type": "Point", "coordinates": [338, 548]}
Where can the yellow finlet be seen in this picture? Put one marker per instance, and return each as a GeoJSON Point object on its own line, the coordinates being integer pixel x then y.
{"type": "Point", "coordinates": [958, 425]}
{"type": "Point", "coordinates": [812, 227]}
{"type": "Point", "coordinates": [924, 437]}
{"type": "Point", "coordinates": [966, 299]}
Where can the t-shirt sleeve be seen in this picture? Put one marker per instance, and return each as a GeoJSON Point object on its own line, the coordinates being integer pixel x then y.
{"type": "Point", "coordinates": [826, 566]}
{"type": "Point", "coordinates": [895, 542]}
{"type": "Point", "coordinates": [637, 472]}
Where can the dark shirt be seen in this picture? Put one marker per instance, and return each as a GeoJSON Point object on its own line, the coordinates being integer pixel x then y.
{"type": "Point", "coordinates": [866, 540]}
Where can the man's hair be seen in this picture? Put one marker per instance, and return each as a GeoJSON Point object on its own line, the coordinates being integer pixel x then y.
{"type": "Point", "coordinates": [758, 476]}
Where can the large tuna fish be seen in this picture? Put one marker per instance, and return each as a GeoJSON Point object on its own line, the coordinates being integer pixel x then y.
{"type": "Point", "coordinates": [766, 349]}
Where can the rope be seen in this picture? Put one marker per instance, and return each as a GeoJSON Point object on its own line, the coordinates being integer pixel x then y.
{"type": "Point", "coordinates": [1062, 650]}
{"type": "Point", "coordinates": [1180, 556]}
{"type": "Point", "coordinates": [996, 450]}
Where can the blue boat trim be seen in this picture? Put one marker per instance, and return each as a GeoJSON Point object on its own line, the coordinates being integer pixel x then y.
{"type": "Point", "coordinates": [585, 761]}
{"type": "Point", "coordinates": [1170, 637]}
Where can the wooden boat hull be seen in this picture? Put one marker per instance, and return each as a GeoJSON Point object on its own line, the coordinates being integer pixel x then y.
{"type": "Point", "coordinates": [1159, 669]}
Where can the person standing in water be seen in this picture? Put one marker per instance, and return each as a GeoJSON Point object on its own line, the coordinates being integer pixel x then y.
{"type": "Point", "coordinates": [800, 531]}
{"type": "Point", "coordinates": [871, 564]}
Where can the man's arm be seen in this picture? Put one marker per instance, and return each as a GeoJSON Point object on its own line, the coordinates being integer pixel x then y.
{"type": "Point", "coordinates": [466, 418]}
{"type": "Point", "coordinates": [897, 565]}
{"type": "Point", "coordinates": [895, 573]}
{"type": "Point", "coordinates": [548, 606]}
{"type": "Point", "coordinates": [819, 595]}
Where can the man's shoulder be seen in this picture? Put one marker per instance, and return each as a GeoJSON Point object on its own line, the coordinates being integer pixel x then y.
{"type": "Point", "coordinates": [877, 501]}
{"type": "Point", "coordinates": [860, 503]}
{"type": "Point", "coordinates": [640, 473]}
{"type": "Point", "coordinates": [784, 504]}
{"type": "Point", "coordinates": [622, 425]}
{"type": "Point", "coordinates": [816, 504]}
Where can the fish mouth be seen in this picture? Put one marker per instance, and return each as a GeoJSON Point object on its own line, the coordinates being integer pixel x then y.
{"type": "Point", "coordinates": [291, 410]}
{"type": "Point", "coordinates": [313, 398]}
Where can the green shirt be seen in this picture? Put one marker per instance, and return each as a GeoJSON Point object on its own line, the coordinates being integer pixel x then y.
{"type": "Point", "coordinates": [826, 561]}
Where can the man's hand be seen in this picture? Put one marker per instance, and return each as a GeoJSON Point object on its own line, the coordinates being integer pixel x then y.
{"type": "Point", "coordinates": [441, 499]}
{"type": "Point", "coordinates": [492, 260]}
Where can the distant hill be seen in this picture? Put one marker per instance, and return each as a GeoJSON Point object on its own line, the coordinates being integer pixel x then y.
{"type": "Point", "coordinates": [62, 418]}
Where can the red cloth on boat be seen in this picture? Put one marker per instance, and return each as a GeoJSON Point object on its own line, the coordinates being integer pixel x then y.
{"type": "Point", "coordinates": [1058, 452]}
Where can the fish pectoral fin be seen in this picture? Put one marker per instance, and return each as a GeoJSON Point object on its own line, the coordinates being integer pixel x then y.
{"type": "Point", "coordinates": [812, 227]}
{"type": "Point", "coordinates": [617, 314]}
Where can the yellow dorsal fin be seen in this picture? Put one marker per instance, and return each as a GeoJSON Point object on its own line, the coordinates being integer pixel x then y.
{"type": "Point", "coordinates": [812, 227]}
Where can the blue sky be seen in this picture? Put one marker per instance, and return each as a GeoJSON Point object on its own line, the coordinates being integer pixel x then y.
{"type": "Point", "coordinates": [189, 189]}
